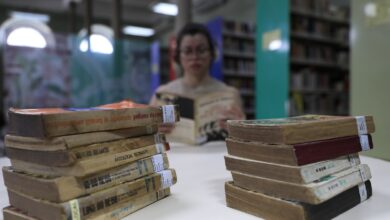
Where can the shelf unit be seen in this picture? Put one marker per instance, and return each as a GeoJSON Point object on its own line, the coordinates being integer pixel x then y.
{"type": "Point", "coordinates": [308, 73]}
{"type": "Point", "coordinates": [235, 61]}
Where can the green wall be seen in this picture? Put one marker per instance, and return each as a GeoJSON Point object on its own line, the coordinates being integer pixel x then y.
{"type": "Point", "coordinates": [370, 75]}
{"type": "Point", "coordinates": [272, 66]}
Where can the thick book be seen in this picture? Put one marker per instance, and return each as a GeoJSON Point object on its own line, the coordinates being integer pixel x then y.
{"type": "Point", "coordinates": [293, 174]}
{"type": "Point", "coordinates": [312, 193]}
{"type": "Point", "coordinates": [64, 188]}
{"type": "Point", "coordinates": [269, 207]}
{"type": "Point", "coordinates": [200, 117]}
{"type": "Point", "coordinates": [51, 122]}
{"type": "Point", "coordinates": [68, 157]}
{"type": "Point", "coordinates": [95, 203]}
{"type": "Point", "coordinates": [299, 154]}
{"type": "Point", "coordinates": [115, 212]}
{"type": "Point", "coordinates": [90, 165]}
{"type": "Point", "coordinates": [300, 129]}
{"type": "Point", "coordinates": [76, 140]}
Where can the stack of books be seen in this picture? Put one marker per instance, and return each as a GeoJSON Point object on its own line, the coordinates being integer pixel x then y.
{"type": "Point", "coordinates": [99, 163]}
{"type": "Point", "coordinates": [304, 167]}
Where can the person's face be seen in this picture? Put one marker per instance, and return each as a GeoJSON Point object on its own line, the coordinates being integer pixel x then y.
{"type": "Point", "coordinates": [195, 55]}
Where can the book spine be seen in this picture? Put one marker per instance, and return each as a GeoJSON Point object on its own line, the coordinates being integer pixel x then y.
{"type": "Point", "coordinates": [316, 171]}
{"type": "Point", "coordinates": [85, 206]}
{"type": "Point", "coordinates": [338, 185]}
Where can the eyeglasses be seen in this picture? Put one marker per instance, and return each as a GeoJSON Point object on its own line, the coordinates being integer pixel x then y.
{"type": "Point", "coordinates": [199, 51]}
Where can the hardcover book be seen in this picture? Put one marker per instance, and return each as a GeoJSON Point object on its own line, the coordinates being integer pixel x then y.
{"type": "Point", "coordinates": [269, 207]}
{"type": "Point", "coordinates": [312, 193]}
{"type": "Point", "coordinates": [96, 203]}
{"type": "Point", "coordinates": [65, 188]}
{"type": "Point", "coordinates": [200, 118]}
{"type": "Point", "coordinates": [300, 129]}
{"type": "Point", "coordinates": [77, 140]}
{"type": "Point", "coordinates": [114, 212]}
{"type": "Point", "coordinates": [68, 157]}
{"type": "Point", "coordinates": [299, 154]}
{"type": "Point", "coordinates": [293, 174]}
{"type": "Point", "coordinates": [88, 166]}
{"type": "Point", "coordinates": [51, 122]}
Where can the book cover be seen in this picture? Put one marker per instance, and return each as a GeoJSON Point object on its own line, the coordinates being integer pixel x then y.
{"type": "Point", "coordinates": [293, 174]}
{"type": "Point", "coordinates": [115, 212]}
{"type": "Point", "coordinates": [300, 129]}
{"type": "Point", "coordinates": [68, 157]}
{"type": "Point", "coordinates": [269, 207]}
{"type": "Point", "coordinates": [96, 203]}
{"type": "Point", "coordinates": [200, 117]}
{"type": "Point", "coordinates": [77, 140]}
{"type": "Point", "coordinates": [88, 166]}
{"type": "Point", "coordinates": [312, 193]}
{"type": "Point", "coordinates": [64, 188]}
{"type": "Point", "coordinates": [51, 122]}
{"type": "Point", "coordinates": [299, 154]}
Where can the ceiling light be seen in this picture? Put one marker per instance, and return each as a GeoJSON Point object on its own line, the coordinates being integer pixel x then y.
{"type": "Point", "coordinates": [30, 16]}
{"type": "Point", "coordinates": [165, 8]}
{"type": "Point", "coordinates": [138, 31]}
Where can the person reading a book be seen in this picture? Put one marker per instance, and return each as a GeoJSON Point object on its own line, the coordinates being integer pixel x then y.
{"type": "Point", "coordinates": [195, 54]}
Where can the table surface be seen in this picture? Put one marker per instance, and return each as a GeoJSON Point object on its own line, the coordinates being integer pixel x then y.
{"type": "Point", "coordinates": [199, 192]}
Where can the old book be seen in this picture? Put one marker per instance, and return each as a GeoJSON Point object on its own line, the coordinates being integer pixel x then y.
{"type": "Point", "coordinates": [293, 174]}
{"type": "Point", "coordinates": [77, 140]}
{"type": "Point", "coordinates": [64, 188]}
{"type": "Point", "coordinates": [67, 157]}
{"type": "Point", "coordinates": [89, 165]}
{"type": "Point", "coordinates": [269, 207]}
{"type": "Point", "coordinates": [300, 129]}
{"type": "Point", "coordinates": [200, 117]}
{"type": "Point", "coordinates": [312, 193]}
{"type": "Point", "coordinates": [93, 204]}
{"type": "Point", "coordinates": [115, 212]}
{"type": "Point", "coordinates": [299, 154]}
{"type": "Point", "coordinates": [51, 122]}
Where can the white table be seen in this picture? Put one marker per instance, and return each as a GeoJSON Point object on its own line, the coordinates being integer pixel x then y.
{"type": "Point", "coordinates": [199, 192]}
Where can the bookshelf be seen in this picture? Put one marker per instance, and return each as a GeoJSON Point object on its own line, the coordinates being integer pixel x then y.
{"type": "Point", "coordinates": [309, 72]}
{"type": "Point", "coordinates": [235, 61]}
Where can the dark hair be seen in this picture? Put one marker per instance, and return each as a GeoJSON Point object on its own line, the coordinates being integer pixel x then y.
{"type": "Point", "coordinates": [192, 29]}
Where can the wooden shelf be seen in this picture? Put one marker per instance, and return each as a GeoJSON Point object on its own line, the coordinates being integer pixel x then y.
{"type": "Point", "coordinates": [319, 38]}
{"type": "Point", "coordinates": [324, 17]}
{"type": "Point", "coordinates": [241, 36]}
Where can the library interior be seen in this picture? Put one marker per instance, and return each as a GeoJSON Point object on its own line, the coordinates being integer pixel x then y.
{"type": "Point", "coordinates": [221, 109]}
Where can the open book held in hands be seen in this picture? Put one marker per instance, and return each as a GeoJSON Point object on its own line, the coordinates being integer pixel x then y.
{"type": "Point", "coordinates": [203, 118]}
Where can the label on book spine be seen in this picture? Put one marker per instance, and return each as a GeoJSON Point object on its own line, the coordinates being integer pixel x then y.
{"type": "Point", "coordinates": [362, 192]}
{"type": "Point", "coordinates": [353, 160]}
{"type": "Point", "coordinates": [158, 162]}
{"type": "Point", "coordinates": [74, 209]}
{"type": "Point", "coordinates": [364, 142]}
{"type": "Point", "coordinates": [361, 124]}
{"type": "Point", "coordinates": [168, 113]}
{"type": "Point", "coordinates": [363, 174]}
{"type": "Point", "coordinates": [166, 178]}
{"type": "Point", "coordinates": [160, 148]}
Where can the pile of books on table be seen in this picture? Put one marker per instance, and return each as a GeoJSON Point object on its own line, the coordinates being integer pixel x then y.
{"type": "Point", "coordinates": [100, 163]}
{"type": "Point", "coordinates": [304, 167]}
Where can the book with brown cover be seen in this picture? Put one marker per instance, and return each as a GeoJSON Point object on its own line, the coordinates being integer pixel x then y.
{"type": "Point", "coordinates": [76, 140]}
{"type": "Point", "coordinates": [300, 129]}
{"type": "Point", "coordinates": [293, 174]}
{"type": "Point", "coordinates": [67, 157]}
{"type": "Point", "coordinates": [95, 203]}
{"type": "Point", "coordinates": [52, 122]}
{"type": "Point", "coordinates": [115, 212]}
{"type": "Point", "coordinates": [312, 193]}
{"type": "Point", "coordinates": [90, 165]}
{"type": "Point", "coordinates": [64, 188]}
{"type": "Point", "coordinates": [269, 207]}
{"type": "Point", "coordinates": [299, 154]}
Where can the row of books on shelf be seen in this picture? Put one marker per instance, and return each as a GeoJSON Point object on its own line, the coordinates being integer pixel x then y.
{"type": "Point", "coordinates": [300, 167]}
{"type": "Point", "coordinates": [239, 65]}
{"type": "Point", "coordinates": [244, 28]}
{"type": "Point", "coordinates": [322, 7]}
{"type": "Point", "coordinates": [239, 45]}
{"type": "Point", "coordinates": [309, 79]}
{"type": "Point", "coordinates": [100, 163]}
{"type": "Point", "coordinates": [319, 28]}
